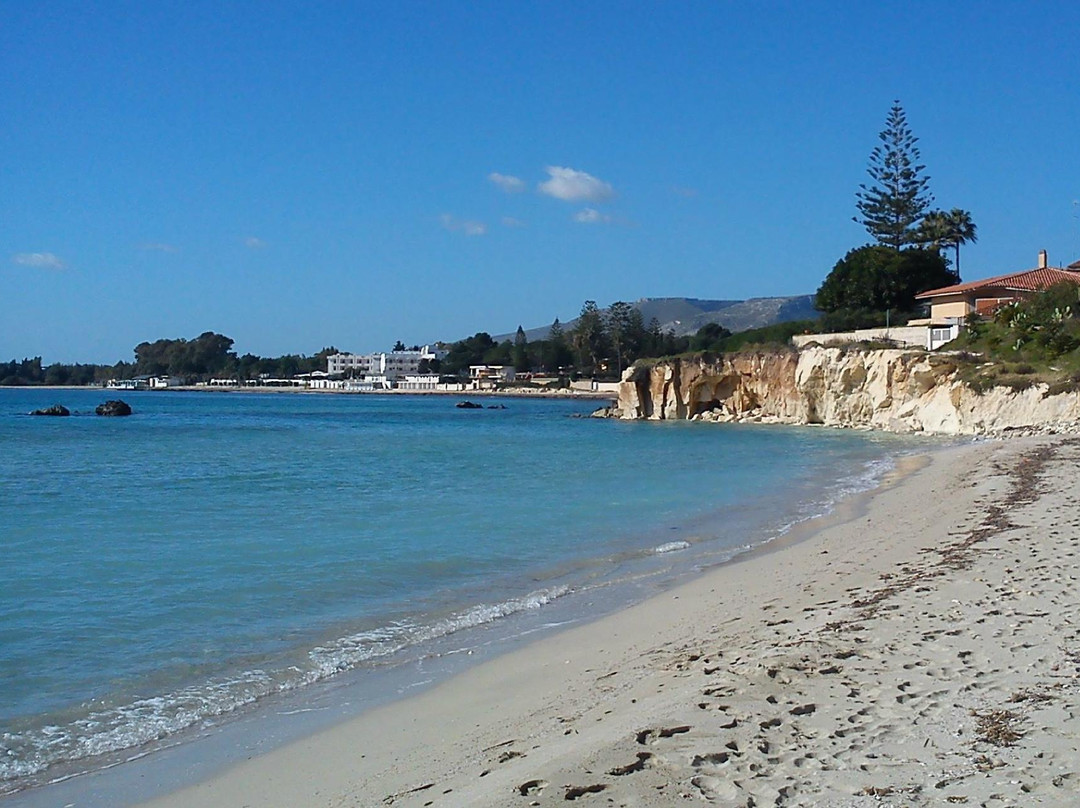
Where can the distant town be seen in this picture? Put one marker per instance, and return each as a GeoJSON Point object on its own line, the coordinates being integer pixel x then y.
{"type": "Point", "coordinates": [405, 370]}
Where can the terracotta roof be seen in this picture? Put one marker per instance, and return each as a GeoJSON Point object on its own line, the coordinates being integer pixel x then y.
{"type": "Point", "coordinates": [1031, 280]}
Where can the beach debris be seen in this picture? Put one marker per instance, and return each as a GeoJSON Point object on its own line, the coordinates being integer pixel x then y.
{"type": "Point", "coordinates": [392, 798]}
{"type": "Point", "coordinates": [113, 408]}
{"type": "Point", "coordinates": [55, 409]}
{"type": "Point", "coordinates": [1033, 696]}
{"type": "Point", "coordinates": [876, 791]}
{"type": "Point", "coordinates": [986, 764]}
{"type": "Point", "coordinates": [999, 727]}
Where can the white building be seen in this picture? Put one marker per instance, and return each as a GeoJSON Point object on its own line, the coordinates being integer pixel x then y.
{"type": "Point", "coordinates": [393, 364]}
{"type": "Point", "coordinates": [367, 384]}
{"type": "Point", "coordinates": [324, 383]}
{"type": "Point", "coordinates": [128, 384]}
{"type": "Point", "coordinates": [164, 382]}
{"type": "Point", "coordinates": [337, 364]}
{"type": "Point", "coordinates": [485, 376]}
{"type": "Point", "coordinates": [419, 381]}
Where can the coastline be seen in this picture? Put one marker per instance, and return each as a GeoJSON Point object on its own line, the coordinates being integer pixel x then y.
{"type": "Point", "coordinates": [816, 672]}
{"type": "Point", "coordinates": [520, 392]}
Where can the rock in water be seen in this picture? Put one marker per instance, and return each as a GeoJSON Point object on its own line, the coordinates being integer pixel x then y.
{"type": "Point", "coordinates": [117, 407]}
{"type": "Point", "coordinates": [55, 409]}
{"type": "Point", "coordinates": [469, 405]}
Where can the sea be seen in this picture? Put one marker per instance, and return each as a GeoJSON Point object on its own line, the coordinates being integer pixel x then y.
{"type": "Point", "coordinates": [217, 556]}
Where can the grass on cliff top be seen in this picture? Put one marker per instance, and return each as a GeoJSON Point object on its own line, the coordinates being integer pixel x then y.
{"type": "Point", "coordinates": [1036, 341]}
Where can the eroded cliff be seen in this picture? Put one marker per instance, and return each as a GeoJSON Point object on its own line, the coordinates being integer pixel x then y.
{"type": "Point", "coordinates": [894, 390]}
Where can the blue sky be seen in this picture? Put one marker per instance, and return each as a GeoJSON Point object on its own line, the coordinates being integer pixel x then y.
{"type": "Point", "coordinates": [358, 173]}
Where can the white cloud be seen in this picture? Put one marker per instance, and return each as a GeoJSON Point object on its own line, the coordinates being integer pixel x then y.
{"type": "Point", "coordinates": [42, 260]}
{"type": "Point", "coordinates": [510, 221]}
{"type": "Point", "coordinates": [510, 184]}
{"type": "Point", "coordinates": [466, 226]}
{"type": "Point", "coordinates": [591, 216]}
{"type": "Point", "coordinates": [573, 186]}
{"type": "Point", "coordinates": [253, 243]}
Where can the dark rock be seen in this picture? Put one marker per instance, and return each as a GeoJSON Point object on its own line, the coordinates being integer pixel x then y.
{"type": "Point", "coordinates": [116, 407]}
{"type": "Point", "coordinates": [469, 405]}
{"type": "Point", "coordinates": [55, 409]}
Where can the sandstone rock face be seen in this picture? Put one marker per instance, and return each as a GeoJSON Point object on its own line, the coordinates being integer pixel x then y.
{"type": "Point", "coordinates": [893, 390]}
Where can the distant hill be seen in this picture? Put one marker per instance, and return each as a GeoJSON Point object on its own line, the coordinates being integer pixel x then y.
{"type": "Point", "coordinates": [685, 315]}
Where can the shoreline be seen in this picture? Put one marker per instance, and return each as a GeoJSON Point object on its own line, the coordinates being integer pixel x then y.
{"type": "Point", "coordinates": [569, 710]}
{"type": "Point", "coordinates": [518, 392]}
{"type": "Point", "coordinates": [205, 748]}
{"type": "Point", "coordinates": [816, 672]}
{"type": "Point", "coordinates": [723, 688]}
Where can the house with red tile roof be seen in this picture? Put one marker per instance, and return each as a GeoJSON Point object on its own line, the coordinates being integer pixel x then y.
{"type": "Point", "coordinates": [951, 305]}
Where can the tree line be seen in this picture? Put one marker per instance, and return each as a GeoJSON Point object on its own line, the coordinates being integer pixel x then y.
{"type": "Point", "coordinates": [210, 355]}
{"type": "Point", "coordinates": [600, 344]}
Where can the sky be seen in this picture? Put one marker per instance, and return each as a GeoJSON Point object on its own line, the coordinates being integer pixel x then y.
{"type": "Point", "coordinates": [301, 175]}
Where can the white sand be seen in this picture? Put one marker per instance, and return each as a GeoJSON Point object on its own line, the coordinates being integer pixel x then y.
{"type": "Point", "coordinates": [884, 661]}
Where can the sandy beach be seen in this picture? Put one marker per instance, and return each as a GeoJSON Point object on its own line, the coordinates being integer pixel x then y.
{"type": "Point", "coordinates": [920, 648]}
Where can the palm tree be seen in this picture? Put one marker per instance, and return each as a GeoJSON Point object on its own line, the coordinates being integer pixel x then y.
{"type": "Point", "coordinates": [961, 231]}
{"type": "Point", "coordinates": [934, 230]}
{"type": "Point", "coordinates": [939, 229]}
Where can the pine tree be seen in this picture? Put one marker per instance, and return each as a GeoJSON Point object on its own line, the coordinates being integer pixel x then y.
{"type": "Point", "coordinates": [618, 321]}
{"type": "Point", "coordinates": [892, 206]}
{"type": "Point", "coordinates": [589, 337]}
{"type": "Point", "coordinates": [556, 351]}
{"type": "Point", "coordinates": [521, 351]}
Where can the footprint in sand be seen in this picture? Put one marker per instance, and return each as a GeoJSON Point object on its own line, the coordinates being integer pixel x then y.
{"type": "Point", "coordinates": [647, 736]}
{"type": "Point", "coordinates": [630, 768]}
{"type": "Point", "coordinates": [712, 759]}
{"type": "Point", "coordinates": [576, 792]}
{"type": "Point", "coordinates": [715, 789]}
{"type": "Point", "coordinates": [532, 788]}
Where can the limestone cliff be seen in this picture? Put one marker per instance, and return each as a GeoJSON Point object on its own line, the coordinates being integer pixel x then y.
{"type": "Point", "coordinates": [894, 390]}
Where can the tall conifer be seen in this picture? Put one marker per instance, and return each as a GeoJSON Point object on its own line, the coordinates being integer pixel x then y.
{"type": "Point", "coordinates": [892, 206]}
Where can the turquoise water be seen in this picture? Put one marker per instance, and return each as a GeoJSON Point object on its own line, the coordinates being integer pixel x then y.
{"type": "Point", "coordinates": [213, 549]}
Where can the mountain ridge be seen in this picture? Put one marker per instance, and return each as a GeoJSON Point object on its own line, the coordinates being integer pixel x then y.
{"type": "Point", "coordinates": [686, 315]}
